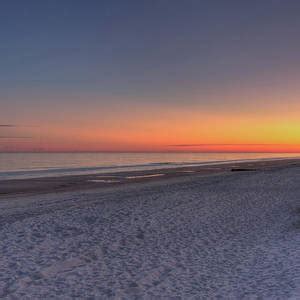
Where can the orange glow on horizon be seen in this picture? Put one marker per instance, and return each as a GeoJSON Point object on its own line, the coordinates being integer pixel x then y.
{"type": "Point", "coordinates": [162, 129]}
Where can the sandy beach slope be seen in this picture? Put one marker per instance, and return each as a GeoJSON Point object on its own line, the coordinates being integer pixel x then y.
{"type": "Point", "coordinates": [225, 236]}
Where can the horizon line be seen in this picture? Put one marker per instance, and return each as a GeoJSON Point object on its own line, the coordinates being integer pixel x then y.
{"type": "Point", "coordinates": [141, 151]}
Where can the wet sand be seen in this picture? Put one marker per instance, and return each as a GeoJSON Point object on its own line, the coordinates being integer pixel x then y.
{"type": "Point", "coordinates": [227, 232]}
{"type": "Point", "coordinates": [34, 186]}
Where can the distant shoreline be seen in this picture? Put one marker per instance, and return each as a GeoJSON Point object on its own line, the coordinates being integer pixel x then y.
{"type": "Point", "coordinates": [109, 180]}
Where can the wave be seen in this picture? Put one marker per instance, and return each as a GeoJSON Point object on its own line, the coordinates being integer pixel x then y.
{"type": "Point", "coordinates": [54, 171]}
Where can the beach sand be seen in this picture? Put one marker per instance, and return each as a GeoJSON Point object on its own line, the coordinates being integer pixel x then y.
{"type": "Point", "coordinates": [228, 232]}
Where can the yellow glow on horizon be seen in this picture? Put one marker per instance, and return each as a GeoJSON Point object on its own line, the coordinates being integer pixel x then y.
{"type": "Point", "coordinates": [274, 127]}
{"type": "Point", "coordinates": [216, 133]}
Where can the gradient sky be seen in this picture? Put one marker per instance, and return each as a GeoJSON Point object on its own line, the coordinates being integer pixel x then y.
{"type": "Point", "coordinates": [140, 75]}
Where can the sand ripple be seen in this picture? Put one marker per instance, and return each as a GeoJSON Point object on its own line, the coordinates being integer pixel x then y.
{"type": "Point", "coordinates": [231, 236]}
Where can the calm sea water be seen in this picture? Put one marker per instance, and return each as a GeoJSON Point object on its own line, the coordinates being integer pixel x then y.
{"type": "Point", "coordinates": [29, 165]}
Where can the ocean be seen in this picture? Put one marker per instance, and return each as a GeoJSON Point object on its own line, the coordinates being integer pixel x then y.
{"type": "Point", "coordinates": [32, 165]}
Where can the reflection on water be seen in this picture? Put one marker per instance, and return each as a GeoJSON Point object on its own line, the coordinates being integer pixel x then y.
{"type": "Point", "coordinates": [144, 176]}
{"type": "Point", "coordinates": [104, 180]}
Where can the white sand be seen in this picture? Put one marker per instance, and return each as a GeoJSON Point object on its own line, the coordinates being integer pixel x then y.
{"type": "Point", "coordinates": [229, 236]}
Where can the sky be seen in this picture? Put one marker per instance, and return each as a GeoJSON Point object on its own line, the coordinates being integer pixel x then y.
{"type": "Point", "coordinates": [159, 75]}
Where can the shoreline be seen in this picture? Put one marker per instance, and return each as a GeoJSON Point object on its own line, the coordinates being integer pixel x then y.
{"type": "Point", "coordinates": [45, 185]}
{"type": "Point", "coordinates": [35, 173]}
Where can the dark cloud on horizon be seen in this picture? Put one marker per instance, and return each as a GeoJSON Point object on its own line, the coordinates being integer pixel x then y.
{"type": "Point", "coordinates": [206, 145]}
{"type": "Point", "coordinates": [3, 137]}
{"type": "Point", "coordinates": [16, 137]}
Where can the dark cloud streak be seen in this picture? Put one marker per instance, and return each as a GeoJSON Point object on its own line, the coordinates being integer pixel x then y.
{"type": "Point", "coordinates": [207, 145]}
{"type": "Point", "coordinates": [16, 137]}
